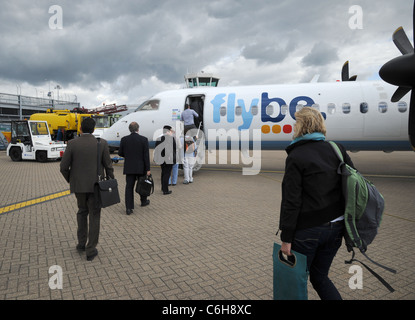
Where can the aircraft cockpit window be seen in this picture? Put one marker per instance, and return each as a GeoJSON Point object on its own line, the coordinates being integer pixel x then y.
{"type": "Point", "coordinates": [364, 107]}
{"type": "Point", "coordinates": [331, 108]}
{"type": "Point", "coordinates": [346, 108]}
{"type": "Point", "coordinates": [383, 107]}
{"type": "Point", "coordinates": [402, 106]}
{"type": "Point", "coordinates": [149, 105]}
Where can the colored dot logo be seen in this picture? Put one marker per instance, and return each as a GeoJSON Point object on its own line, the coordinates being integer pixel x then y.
{"type": "Point", "coordinates": [276, 129]}
{"type": "Point", "coordinates": [266, 129]}
{"type": "Point", "coordinates": [288, 129]}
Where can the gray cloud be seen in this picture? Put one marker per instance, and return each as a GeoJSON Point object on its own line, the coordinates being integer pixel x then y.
{"type": "Point", "coordinates": [321, 54]}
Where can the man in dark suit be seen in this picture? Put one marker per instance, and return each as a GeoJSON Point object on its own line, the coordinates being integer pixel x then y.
{"type": "Point", "coordinates": [79, 168]}
{"type": "Point", "coordinates": [134, 149]}
{"type": "Point", "coordinates": [165, 156]}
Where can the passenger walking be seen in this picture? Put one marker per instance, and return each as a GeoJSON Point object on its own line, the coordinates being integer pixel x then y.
{"type": "Point", "coordinates": [134, 148]}
{"type": "Point", "coordinates": [189, 158]}
{"type": "Point", "coordinates": [79, 167]}
{"type": "Point", "coordinates": [312, 206]}
{"type": "Point", "coordinates": [165, 156]}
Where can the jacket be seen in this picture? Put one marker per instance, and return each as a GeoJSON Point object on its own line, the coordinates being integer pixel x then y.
{"type": "Point", "coordinates": [311, 188]}
{"type": "Point", "coordinates": [79, 163]}
{"type": "Point", "coordinates": [165, 150]}
{"type": "Point", "coordinates": [134, 148]}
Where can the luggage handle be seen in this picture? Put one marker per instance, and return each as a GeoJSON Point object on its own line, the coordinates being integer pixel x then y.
{"type": "Point", "coordinates": [291, 261]}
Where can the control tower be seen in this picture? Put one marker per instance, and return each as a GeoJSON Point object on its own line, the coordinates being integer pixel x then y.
{"type": "Point", "coordinates": [201, 79]}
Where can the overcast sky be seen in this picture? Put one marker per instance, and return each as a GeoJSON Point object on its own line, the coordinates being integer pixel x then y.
{"type": "Point", "coordinates": [119, 51]}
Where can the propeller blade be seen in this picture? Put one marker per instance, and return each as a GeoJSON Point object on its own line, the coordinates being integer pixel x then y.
{"type": "Point", "coordinates": [345, 71]}
{"type": "Point", "coordinates": [411, 123]}
{"type": "Point", "coordinates": [402, 42]}
{"type": "Point", "coordinates": [400, 93]}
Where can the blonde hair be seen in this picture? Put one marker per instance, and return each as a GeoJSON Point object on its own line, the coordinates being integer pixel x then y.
{"type": "Point", "coordinates": [308, 120]}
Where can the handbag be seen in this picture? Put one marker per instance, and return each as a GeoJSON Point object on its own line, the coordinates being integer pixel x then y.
{"type": "Point", "coordinates": [108, 192]}
{"type": "Point", "coordinates": [107, 188]}
{"type": "Point", "coordinates": [290, 275]}
{"type": "Point", "coordinates": [145, 186]}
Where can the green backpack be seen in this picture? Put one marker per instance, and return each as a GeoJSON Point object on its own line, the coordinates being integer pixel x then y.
{"type": "Point", "coordinates": [364, 206]}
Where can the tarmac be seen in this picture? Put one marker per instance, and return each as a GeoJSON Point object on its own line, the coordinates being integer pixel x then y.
{"type": "Point", "coordinates": [209, 240]}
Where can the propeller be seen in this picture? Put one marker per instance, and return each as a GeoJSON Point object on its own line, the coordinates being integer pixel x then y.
{"type": "Point", "coordinates": [400, 72]}
{"type": "Point", "coordinates": [345, 73]}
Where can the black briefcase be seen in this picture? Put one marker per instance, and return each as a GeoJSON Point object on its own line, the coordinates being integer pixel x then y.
{"type": "Point", "coordinates": [145, 186]}
{"type": "Point", "coordinates": [108, 194]}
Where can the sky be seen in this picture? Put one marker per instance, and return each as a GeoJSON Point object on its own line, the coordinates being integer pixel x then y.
{"type": "Point", "coordinates": [124, 52]}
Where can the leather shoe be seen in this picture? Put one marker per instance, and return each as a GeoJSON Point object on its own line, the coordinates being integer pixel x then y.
{"type": "Point", "coordinates": [167, 192]}
{"type": "Point", "coordinates": [92, 256]}
{"type": "Point", "coordinates": [129, 211]}
{"type": "Point", "coordinates": [145, 203]}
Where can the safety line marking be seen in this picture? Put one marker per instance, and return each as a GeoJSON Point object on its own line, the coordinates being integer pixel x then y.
{"type": "Point", "coordinates": [31, 202]}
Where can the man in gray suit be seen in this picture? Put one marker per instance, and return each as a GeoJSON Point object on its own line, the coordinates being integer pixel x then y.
{"type": "Point", "coordinates": [79, 168]}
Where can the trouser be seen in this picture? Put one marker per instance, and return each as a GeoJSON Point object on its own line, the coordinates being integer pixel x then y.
{"type": "Point", "coordinates": [165, 175]}
{"type": "Point", "coordinates": [174, 173]}
{"type": "Point", "coordinates": [188, 164]}
{"type": "Point", "coordinates": [189, 127]}
{"type": "Point", "coordinates": [88, 233]}
{"type": "Point", "coordinates": [130, 181]}
{"type": "Point", "coordinates": [320, 245]}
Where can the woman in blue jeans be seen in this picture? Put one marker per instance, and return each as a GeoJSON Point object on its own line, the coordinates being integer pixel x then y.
{"type": "Point", "coordinates": [312, 205]}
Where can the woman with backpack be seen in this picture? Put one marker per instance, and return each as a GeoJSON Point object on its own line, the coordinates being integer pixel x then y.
{"type": "Point", "coordinates": [312, 205]}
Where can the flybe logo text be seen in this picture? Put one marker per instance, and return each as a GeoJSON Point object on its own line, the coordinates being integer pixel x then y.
{"type": "Point", "coordinates": [248, 109]}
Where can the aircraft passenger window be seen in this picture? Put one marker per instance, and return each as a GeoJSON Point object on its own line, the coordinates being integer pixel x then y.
{"type": "Point", "coordinates": [346, 108]}
{"type": "Point", "coordinates": [331, 108]}
{"type": "Point", "coordinates": [299, 107]}
{"type": "Point", "coordinates": [222, 111]}
{"type": "Point", "coordinates": [383, 107]}
{"type": "Point", "coordinates": [316, 106]}
{"type": "Point", "coordinates": [149, 105]}
{"type": "Point", "coordinates": [238, 110]}
{"type": "Point", "coordinates": [364, 107]}
{"type": "Point", "coordinates": [254, 110]}
{"type": "Point", "coordinates": [284, 109]}
{"type": "Point", "coordinates": [269, 110]}
{"type": "Point", "coordinates": [402, 106]}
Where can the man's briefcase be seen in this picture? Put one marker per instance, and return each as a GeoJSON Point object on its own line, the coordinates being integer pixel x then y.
{"type": "Point", "coordinates": [145, 186]}
{"type": "Point", "coordinates": [108, 194]}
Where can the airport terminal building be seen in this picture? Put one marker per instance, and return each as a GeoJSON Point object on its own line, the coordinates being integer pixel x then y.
{"type": "Point", "coordinates": [18, 107]}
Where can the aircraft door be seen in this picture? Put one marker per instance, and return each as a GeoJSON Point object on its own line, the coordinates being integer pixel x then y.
{"type": "Point", "coordinates": [196, 103]}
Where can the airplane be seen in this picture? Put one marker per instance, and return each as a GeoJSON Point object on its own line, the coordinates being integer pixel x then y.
{"type": "Point", "coordinates": [361, 115]}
